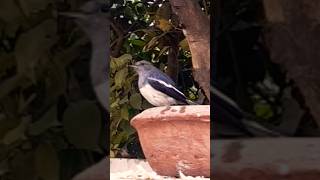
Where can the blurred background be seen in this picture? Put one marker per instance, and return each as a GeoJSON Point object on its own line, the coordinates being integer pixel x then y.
{"type": "Point", "coordinates": [52, 125]}
{"type": "Point", "coordinates": [265, 59]}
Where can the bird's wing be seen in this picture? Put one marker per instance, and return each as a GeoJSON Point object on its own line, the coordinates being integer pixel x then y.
{"type": "Point", "coordinates": [166, 86]}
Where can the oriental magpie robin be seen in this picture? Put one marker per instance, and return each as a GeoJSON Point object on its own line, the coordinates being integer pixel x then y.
{"type": "Point", "coordinates": [157, 87]}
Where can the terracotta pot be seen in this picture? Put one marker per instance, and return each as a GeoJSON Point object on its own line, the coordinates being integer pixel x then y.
{"type": "Point", "coordinates": [176, 138]}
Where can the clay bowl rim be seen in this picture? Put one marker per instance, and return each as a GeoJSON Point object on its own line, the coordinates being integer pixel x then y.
{"type": "Point", "coordinates": [201, 116]}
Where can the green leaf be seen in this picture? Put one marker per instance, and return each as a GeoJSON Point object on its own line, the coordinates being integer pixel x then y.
{"type": "Point", "coordinates": [47, 162]}
{"type": "Point", "coordinates": [140, 8]}
{"type": "Point", "coordinates": [184, 45]}
{"type": "Point", "coordinates": [120, 62]}
{"type": "Point", "coordinates": [128, 11]}
{"type": "Point", "coordinates": [151, 44]}
{"type": "Point", "coordinates": [125, 126]}
{"type": "Point", "coordinates": [123, 100]}
{"type": "Point", "coordinates": [138, 42]}
{"type": "Point", "coordinates": [136, 100]}
{"type": "Point", "coordinates": [162, 51]}
{"type": "Point", "coordinates": [144, 55]}
{"type": "Point", "coordinates": [263, 110]}
{"type": "Point", "coordinates": [164, 25]}
{"type": "Point", "coordinates": [115, 103]}
{"type": "Point", "coordinates": [125, 112]}
{"type": "Point", "coordinates": [133, 111]}
{"type": "Point", "coordinates": [121, 77]}
{"type": "Point", "coordinates": [82, 124]}
{"type": "Point", "coordinates": [122, 136]}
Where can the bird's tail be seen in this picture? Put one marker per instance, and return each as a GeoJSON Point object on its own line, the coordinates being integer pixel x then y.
{"type": "Point", "coordinates": [227, 109]}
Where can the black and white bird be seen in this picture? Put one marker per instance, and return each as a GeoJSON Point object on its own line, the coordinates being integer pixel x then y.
{"type": "Point", "coordinates": [157, 87]}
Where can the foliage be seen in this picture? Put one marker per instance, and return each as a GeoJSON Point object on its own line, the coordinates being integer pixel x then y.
{"type": "Point", "coordinates": [143, 30]}
{"type": "Point", "coordinates": [47, 107]}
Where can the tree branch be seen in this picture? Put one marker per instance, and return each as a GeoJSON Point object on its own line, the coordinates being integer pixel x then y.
{"type": "Point", "coordinates": [117, 44]}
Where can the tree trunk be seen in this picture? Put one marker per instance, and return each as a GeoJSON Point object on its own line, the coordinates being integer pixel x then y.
{"type": "Point", "coordinates": [293, 38]}
{"type": "Point", "coordinates": [197, 31]}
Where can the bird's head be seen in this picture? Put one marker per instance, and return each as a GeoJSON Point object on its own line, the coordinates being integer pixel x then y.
{"type": "Point", "coordinates": [142, 66]}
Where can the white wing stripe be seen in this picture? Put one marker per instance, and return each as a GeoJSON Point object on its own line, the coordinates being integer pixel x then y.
{"type": "Point", "coordinates": [166, 84]}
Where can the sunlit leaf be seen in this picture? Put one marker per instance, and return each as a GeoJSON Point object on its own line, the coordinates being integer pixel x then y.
{"type": "Point", "coordinates": [112, 154]}
{"type": "Point", "coordinates": [123, 100]}
{"type": "Point", "coordinates": [115, 103]}
{"type": "Point", "coordinates": [184, 45]}
{"type": "Point", "coordinates": [120, 77]}
{"type": "Point", "coordinates": [164, 25]}
{"type": "Point", "coordinates": [120, 62]}
{"type": "Point", "coordinates": [125, 112]}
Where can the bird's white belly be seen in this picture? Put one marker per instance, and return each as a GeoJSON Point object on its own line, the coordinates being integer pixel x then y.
{"type": "Point", "coordinates": [156, 98]}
